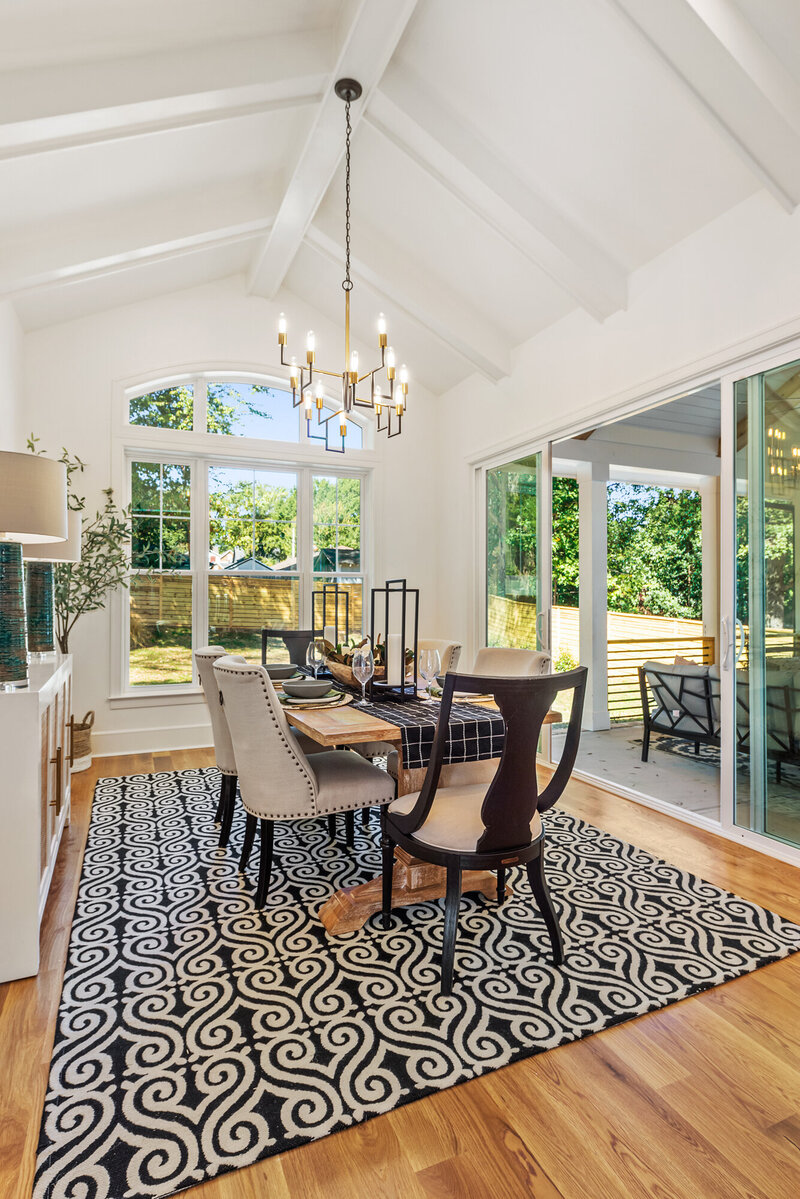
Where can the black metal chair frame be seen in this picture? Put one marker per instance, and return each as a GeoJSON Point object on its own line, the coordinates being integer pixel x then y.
{"type": "Point", "coordinates": [677, 689]}
{"type": "Point", "coordinates": [300, 637]}
{"type": "Point", "coordinates": [509, 804]}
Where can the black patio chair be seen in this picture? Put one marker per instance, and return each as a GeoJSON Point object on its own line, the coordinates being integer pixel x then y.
{"type": "Point", "coordinates": [487, 826]}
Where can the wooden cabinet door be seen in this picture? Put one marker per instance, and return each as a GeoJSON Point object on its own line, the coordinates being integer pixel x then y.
{"type": "Point", "coordinates": [46, 782]}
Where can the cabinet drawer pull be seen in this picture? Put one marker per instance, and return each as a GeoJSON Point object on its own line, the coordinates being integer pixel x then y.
{"type": "Point", "coordinates": [56, 803]}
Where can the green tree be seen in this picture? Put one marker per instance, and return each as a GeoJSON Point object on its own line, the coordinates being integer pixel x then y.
{"type": "Point", "coordinates": [173, 407]}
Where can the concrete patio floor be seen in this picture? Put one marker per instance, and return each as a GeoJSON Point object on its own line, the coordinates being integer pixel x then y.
{"type": "Point", "coordinates": [615, 756]}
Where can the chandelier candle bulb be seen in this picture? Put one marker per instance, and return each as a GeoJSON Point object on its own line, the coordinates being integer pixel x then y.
{"type": "Point", "coordinates": [382, 330]}
{"type": "Point", "coordinates": [310, 346]}
{"type": "Point", "coordinates": [343, 423]}
{"type": "Point", "coordinates": [390, 363]}
{"type": "Point", "coordinates": [354, 367]}
{"type": "Point", "coordinates": [281, 330]}
{"type": "Point", "coordinates": [404, 379]}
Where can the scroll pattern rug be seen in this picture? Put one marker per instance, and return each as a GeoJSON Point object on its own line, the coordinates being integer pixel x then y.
{"type": "Point", "coordinates": [196, 1035]}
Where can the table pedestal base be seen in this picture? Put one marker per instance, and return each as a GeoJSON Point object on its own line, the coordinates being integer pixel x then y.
{"type": "Point", "coordinates": [414, 881]}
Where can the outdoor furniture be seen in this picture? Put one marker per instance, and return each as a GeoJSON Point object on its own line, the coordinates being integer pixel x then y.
{"type": "Point", "coordinates": [487, 826]}
{"type": "Point", "coordinates": [277, 781]}
{"type": "Point", "coordinates": [684, 704]}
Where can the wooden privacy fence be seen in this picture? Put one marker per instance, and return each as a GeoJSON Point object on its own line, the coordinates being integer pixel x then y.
{"type": "Point", "coordinates": [626, 656]}
{"type": "Point", "coordinates": [234, 603]}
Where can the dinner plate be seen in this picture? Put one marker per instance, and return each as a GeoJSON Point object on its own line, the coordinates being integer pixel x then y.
{"type": "Point", "coordinates": [299, 705]}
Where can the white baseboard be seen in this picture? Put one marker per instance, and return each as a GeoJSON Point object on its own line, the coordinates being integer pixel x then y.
{"type": "Point", "coordinates": [111, 743]}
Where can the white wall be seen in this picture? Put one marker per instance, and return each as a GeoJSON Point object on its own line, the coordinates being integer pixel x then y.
{"type": "Point", "coordinates": [729, 288]}
{"type": "Point", "coordinates": [72, 371]}
{"type": "Point", "coordinates": [12, 436]}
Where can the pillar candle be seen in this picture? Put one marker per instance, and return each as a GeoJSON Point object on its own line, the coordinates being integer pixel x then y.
{"type": "Point", "coordinates": [329, 633]}
{"type": "Point", "coordinates": [394, 660]}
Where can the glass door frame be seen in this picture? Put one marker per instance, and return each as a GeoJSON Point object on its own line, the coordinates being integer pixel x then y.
{"type": "Point", "coordinates": [746, 368]}
{"type": "Point", "coordinates": [544, 556]}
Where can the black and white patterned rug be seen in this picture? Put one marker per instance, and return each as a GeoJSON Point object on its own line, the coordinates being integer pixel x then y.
{"type": "Point", "coordinates": [196, 1035]}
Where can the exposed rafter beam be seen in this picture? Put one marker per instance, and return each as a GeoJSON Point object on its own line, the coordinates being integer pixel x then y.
{"type": "Point", "coordinates": [461, 330]}
{"type": "Point", "coordinates": [751, 99]}
{"type": "Point", "coordinates": [169, 227]}
{"type": "Point", "coordinates": [53, 108]}
{"type": "Point", "coordinates": [436, 140]}
{"type": "Point", "coordinates": [367, 44]}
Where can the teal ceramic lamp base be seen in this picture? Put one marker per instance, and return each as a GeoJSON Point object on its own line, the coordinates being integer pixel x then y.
{"type": "Point", "coordinates": [13, 649]}
{"type": "Point", "coordinates": [39, 609]}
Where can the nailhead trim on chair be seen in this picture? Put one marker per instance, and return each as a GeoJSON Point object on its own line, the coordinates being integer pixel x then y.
{"type": "Point", "coordinates": [291, 748]}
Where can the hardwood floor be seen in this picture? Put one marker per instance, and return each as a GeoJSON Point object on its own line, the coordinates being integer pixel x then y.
{"type": "Point", "coordinates": [700, 1101]}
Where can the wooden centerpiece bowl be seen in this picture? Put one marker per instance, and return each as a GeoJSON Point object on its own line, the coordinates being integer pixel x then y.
{"type": "Point", "coordinates": [344, 674]}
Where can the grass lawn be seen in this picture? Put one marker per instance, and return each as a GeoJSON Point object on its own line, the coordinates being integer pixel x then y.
{"type": "Point", "coordinates": [169, 660]}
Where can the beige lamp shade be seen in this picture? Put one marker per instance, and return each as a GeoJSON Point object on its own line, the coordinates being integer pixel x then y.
{"type": "Point", "coordinates": [33, 498]}
{"type": "Point", "coordinates": [58, 551]}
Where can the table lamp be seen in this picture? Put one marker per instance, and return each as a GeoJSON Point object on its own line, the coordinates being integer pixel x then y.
{"type": "Point", "coordinates": [39, 561]}
{"type": "Point", "coordinates": [33, 509]}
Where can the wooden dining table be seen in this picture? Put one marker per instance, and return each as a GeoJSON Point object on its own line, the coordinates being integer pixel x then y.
{"type": "Point", "coordinates": [415, 881]}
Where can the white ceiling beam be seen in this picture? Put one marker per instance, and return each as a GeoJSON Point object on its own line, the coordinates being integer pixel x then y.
{"type": "Point", "coordinates": [60, 107]}
{"type": "Point", "coordinates": [102, 244]}
{"type": "Point", "coordinates": [458, 160]}
{"type": "Point", "coordinates": [403, 285]}
{"type": "Point", "coordinates": [370, 33]}
{"type": "Point", "coordinates": [739, 84]}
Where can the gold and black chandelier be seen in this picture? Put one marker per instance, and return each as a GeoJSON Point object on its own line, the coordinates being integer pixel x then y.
{"type": "Point", "coordinates": [308, 389]}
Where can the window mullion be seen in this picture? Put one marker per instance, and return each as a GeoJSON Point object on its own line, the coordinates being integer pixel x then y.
{"type": "Point", "coordinates": [200, 406]}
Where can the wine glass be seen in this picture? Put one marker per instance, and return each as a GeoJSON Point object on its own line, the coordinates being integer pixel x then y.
{"type": "Point", "coordinates": [430, 664]}
{"type": "Point", "coordinates": [363, 668]}
{"type": "Point", "coordinates": [313, 656]}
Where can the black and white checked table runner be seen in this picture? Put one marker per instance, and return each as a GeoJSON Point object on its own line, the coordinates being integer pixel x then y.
{"type": "Point", "coordinates": [476, 733]}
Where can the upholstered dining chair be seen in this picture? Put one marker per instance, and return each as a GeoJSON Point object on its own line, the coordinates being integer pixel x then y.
{"type": "Point", "coordinates": [449, 651]}
{"type": "Point", "coordinates": [223, 748]}
{"type": "Point", "coordinates": [487, 826]}
{"type": "Point", "coordinates": [277, 781]}
{"type": "Point", "coordinates": [502, 660]}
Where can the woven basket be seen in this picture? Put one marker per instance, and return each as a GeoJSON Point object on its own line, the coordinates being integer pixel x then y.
{"type": "Point", "coordinates": [82, 736]}
{"type": "Point", "coordinates": [344, 674]}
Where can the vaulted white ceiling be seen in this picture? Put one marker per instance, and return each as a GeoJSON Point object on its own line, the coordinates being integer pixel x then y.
{"type": "Point", "coordinates": [513, 161]}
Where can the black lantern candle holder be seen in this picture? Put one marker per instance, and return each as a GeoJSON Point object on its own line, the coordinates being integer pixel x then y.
{"type": "Point", "coordinates": [330, 593]}
{"type": "Point", "coordinates": [396, 593]}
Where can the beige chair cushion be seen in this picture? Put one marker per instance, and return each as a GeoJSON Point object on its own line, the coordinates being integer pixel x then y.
{"type": "Point", "coordinates": [449, 651]}
{"type": "Point", "coordinates": [505, 663]}
{"type": "Point", "coordinates": [454, 821]}
{"type": "Point", "coordinates": [346, 781]}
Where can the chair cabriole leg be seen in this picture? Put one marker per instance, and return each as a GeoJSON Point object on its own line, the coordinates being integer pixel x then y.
{"type": "Point", "coordinates": [249, 837]}
{"type": "Point", "coordinates": [350, 829]}
{"type": "Point", "coordinates": [501, 883]}
{"type": "Point", "coordinates": [332, 827]}
{"type": "Point", "coordinates": [221, 801]}
{"type": "Point", "coordinates": [451, 905]}
{"type": "Point", "coordinates": [365, 815]}
{"type": "Point", "coordinates": [265, 865]}
{"type": "Point", "coordinates": [538, 882]}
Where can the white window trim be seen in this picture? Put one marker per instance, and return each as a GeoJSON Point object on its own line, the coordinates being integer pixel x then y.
{"type": "Point", "coordinates": [200, 450]}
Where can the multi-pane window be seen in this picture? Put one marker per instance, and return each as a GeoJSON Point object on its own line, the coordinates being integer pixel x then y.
{"type": "Point", "coordinates": [226, 540]}
{"type": "Point", "coordinates": [337, 540]}
{"type": "Point", "coordinates": [168, 408]}
{"type": "Point", "coordinates": [253, 579]}
{"type": "Point", "coordinates": [251, 410]}
{"type": "Point", "coordinates": [161, 583]}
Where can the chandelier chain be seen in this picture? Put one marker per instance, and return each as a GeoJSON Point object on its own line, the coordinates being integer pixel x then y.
{"type": "Point", "coordinates": [348, 282]}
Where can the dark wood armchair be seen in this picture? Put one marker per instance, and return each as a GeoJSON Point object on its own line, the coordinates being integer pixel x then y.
{"type": "Point", "coordinates": [487, 826]}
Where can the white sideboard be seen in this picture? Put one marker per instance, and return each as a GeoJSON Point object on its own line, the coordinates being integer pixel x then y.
{"type": "Point", "coordinates": [35, 748]}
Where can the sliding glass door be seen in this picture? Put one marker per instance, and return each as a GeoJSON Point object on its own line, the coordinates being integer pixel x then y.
{"type": "Point", "coordinates": [762, 660]}
{"type": "Point", "coordinates": [518, 544]}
